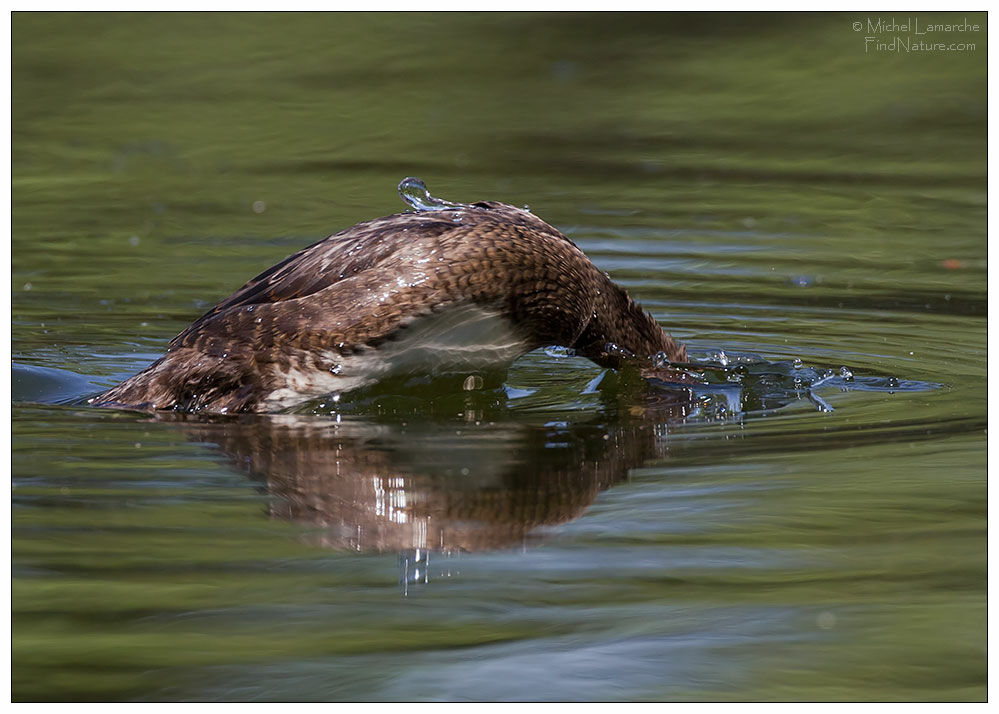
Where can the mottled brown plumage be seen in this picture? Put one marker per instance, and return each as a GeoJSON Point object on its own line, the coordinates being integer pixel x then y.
{"type": "Point", "coordinates": [362, 288]}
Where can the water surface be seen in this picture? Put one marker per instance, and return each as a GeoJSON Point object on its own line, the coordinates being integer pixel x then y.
{"type": "Point", "coordinates": [760, 183]}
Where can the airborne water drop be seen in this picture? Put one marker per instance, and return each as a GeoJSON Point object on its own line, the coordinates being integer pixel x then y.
{"type": "Point", "coordinates": [416, 195]}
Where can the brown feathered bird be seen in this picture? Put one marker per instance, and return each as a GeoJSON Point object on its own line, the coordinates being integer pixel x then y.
{"type": "Point", "coordinates": [447, 284]}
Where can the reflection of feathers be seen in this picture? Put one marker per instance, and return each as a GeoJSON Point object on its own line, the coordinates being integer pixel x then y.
{"type": "Point", "coordinates": [377, 487]}
{"type": "Point", "coordinates": [285, 336]}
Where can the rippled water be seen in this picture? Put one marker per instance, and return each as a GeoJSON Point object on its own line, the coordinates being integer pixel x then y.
{"type": "Point", "coordinates": [809, 219]}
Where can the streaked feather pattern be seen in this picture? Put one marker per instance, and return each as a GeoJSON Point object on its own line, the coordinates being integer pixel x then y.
{"type": "Point", "coordinates": [290, 330]}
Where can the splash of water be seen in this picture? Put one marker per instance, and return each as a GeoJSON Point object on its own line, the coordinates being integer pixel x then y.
{"type": "Point", "coordinates": [763, 385]}
{"type": "Point", "coordinates": [416, 195]}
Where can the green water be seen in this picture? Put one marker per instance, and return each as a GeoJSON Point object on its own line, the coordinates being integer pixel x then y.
{"type": "Point", "coordinates": [760, 183]}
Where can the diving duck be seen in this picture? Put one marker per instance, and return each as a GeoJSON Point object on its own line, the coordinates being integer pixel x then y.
{"type": "Point", "coordinates": [442, 285]}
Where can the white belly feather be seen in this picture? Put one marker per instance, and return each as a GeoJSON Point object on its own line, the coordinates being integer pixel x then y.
{"type": "Point", "coordinates": [463, 337]}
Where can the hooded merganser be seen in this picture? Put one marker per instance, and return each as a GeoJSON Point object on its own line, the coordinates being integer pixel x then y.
{"type": "Point", "coordinates": [446, 284]}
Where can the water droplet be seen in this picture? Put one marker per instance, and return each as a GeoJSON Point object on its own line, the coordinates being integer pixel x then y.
{"type": "Point", "coordinates": [660, 359]}
{"type": "Point", "coordinates": [846, 374]}
{"type": "Point", "coordinates": [336, 369]}
{"type": "Point", "coordinates": [472, 382]}
{"type": "Point", "coordinates": [259, 207]}
{"type": "Point", "coordinates": [27, 286]}
{"type": "Point", "coordinates": [134, 240]}
{"type": "Point", "coordinates": [615, 349]}
{"type": "Point", "coordinates": [559, 352]}
{"type": "Point", "coordinates": [797, 363]}
{"type": "Point", "coordinates": [415, 194]}
{"type": "Point", "coordinates": [259, 319]}
{"type": "Point", "coordinates": [249, 308]}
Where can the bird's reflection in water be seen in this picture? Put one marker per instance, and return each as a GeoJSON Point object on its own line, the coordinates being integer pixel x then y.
{"type": "Point", "coordinates": [443, 471]}
{"type": "Point", "coordinates": [434, 488]}
{"type": "Point", "coordinates": [377, 487]}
